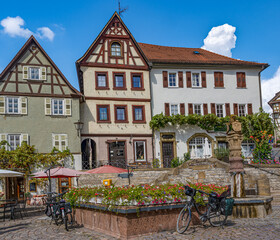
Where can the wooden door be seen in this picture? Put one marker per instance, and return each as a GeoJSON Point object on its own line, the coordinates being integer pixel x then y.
{"type": "Point", "coordinates": [15, 188]}
{"type": "Point", "coordinates": [117, 156]}
{"type": "Point", "coordinates": [167, 153]}
{"type": "Point", "coordinates": [20, 188]}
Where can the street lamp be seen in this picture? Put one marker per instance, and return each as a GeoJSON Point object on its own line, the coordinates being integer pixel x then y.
{"type": "Point", "coordinates": [79, 126]}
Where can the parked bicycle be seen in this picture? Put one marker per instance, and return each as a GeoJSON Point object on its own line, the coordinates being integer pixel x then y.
{"type": "Point", "coordinates": [59, 210]}
{"type": "Point", "coordinates": [218, 208]}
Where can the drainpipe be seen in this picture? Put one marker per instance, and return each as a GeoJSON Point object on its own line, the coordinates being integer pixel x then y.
{"type": "Point", "coordinates": [151, 106]}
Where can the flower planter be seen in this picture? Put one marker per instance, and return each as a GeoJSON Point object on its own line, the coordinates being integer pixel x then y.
{"type": "Point", "coordinates": [129, 221]}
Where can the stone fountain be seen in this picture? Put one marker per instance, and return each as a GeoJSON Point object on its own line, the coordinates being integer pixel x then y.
{"type": "Point", "coordinates": [245, 207]}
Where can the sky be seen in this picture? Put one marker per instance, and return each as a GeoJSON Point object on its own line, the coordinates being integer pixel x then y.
{"type": "Point", "coordinates": [247, 30]}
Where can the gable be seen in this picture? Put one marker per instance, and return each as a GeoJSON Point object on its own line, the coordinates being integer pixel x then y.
{"type": "Point", "coordinates": [100, 52]}
{"type": "Point", "coordinates": [16, 78]}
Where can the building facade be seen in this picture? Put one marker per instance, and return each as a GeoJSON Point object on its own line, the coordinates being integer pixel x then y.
{"type": "Point", "coordinates": [38, 105]}
{"type": "Point", "coordinates": [274, 103]}
{"type": "Point", "coordinates": [114, 79]}
{"type": "Point", "coordinates": [195, 81]}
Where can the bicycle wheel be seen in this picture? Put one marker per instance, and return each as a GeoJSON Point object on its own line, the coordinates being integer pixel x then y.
{"type": "Point", "coordinates": [216, 218]}
{"type": "Point", "coordinates": [65, 220]}
{"type": "Point", "coordinates": [184, 219]}
{"type": "Point", "coordinates": [69, 219]}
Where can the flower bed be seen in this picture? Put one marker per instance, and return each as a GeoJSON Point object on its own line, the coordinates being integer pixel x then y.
{"type": "Point", "coordinates": [139, 195]}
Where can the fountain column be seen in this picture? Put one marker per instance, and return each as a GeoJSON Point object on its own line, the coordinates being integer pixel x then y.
{"type": "Point", "coordinates": [234, 139]}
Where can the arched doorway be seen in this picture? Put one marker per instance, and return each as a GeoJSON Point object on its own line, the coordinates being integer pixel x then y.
{"type": "Point", "coordinates": [88, 154]}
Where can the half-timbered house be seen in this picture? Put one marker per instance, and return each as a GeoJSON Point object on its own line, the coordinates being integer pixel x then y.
{"type": "Point", "coordinates": [37, 105]}
{"type": "Point", "coordinates": [114, 78]}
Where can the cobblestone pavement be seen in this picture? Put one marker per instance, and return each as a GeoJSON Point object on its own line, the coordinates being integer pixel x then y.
{"type": "Point", "coordinates": [39, 227]}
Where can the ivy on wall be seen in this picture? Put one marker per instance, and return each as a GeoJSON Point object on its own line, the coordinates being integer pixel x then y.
{"type": "Point", "coordinates": [252, 125]}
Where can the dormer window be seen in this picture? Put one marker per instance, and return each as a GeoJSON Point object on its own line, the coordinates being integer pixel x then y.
{"type": "Point", "coordinates": [116, 49]}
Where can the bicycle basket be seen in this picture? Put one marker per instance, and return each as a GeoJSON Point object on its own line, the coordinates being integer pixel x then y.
{"type": "Point", "coordinates": [189, 191]}
{"type": "Point", "coordinates": [68, 208]}
{"type": "Point", "coordinates": [228, 208]}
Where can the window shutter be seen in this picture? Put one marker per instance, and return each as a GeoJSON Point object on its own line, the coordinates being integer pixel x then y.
{"type": "Point", "coordinates": [56, 141]}
{"type": "Point", "coordinates": [189, 79]}
{"type": "Point", "coordinates": [43, 73]}
{"type": "Point", "coordinates": [23, 103]}
{"type": "Point", "coordinates": [213, 108]}
{"type": "Point", "coordinates": [216, 79]}
{"type": "Point", "coordinates": [182, 108]}
{"type": "Point", "coordinates": [205, 108]}
{"type": "Point", "coordinates": [67, 107]}
{"type": "Point", "coordinates": [180, 75]}
{"type": "Point", "coordinates": [3, 137]}
{"type": "Point", "coordinates": [190, 108]}
{"type": "Point", "coordinates": [166, 106]}
{"type": "Point", "coordinates": [243, 80]}
{"type": "Point", "coordinates": [165, 80]}
{"type": "Point", "coordinates": [238, 79]}
{"type": "Point", "coordinates": [63, 141]}
{"type": "Point", "coordinates": [25, 72]}
{"type": "Point", "coordinates": [24, 138]}
{"type": "Point", "coordinates": [221, 78]}
{"type": "Point", "coordinates": [235, 109]}
{"type": "Point", "coordinates": [203, 79]}
{"type": "Point", "coordinates": [48, 106]}
{"type": "Point", "coordinates": [2, 104]}
{"type": "Point", "coordinates": [227, 109]}
{"type": "Point", "coordinates": [250, 109]}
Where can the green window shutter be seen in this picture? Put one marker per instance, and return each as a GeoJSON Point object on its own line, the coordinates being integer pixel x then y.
{"type": "Point", "coordinates": [48, 106]}
{"type": "Point", "coordinates": [24, 138]}
{"type": "Point", "coordinates": [25, 72]}
{"type": "Point", "coordinates": [23, 102]}
{"type": "Point", "coordinates": [43, 73]}
{"type": "Point", "coordinates": [2, 104]}
{"type": "Point", "coordinates": [67, 107]}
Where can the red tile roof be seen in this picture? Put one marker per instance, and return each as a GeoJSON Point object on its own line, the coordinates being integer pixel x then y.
{"type": "Point", "coordinates": [163, 54]}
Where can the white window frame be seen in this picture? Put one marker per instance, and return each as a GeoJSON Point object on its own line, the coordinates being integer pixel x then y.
{"type": "Point", "coordinates": [135, 154]}
{"type": "Point", "coordinates": [29, 73]}
{"type": "Point", "coordinates": [102, 75]}
{"type": "Point", "coordinates": [8, 140]}
{"type": "Point", "coordinates": [199, 80]}
{"type": "Point", "coordinates": [178, 108]}
{"type": "Point", "coordinates": [63, 108]}
{"type": "Point", "coordinates": [176, 79]}
{"type": "Point", "coordinates": [247, 144]}
{"type": "Point", "coordinates": [223, 107]}
{"type": "Point", "coordinates": [201, 108]}
{"type": "Point", "coordinates": [60, 141]}
{"type": "Point", "coordinates": [7, 107]}
{"type": "Point", "coordinates": [245, 109]}
{"type": "Point", "coordinates": [195, 144]}
{"type": "Point", "coordinates": [6, 136]}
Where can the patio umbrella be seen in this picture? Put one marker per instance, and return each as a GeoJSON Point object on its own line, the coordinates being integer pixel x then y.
{"type": "Point", "coordinates": [206, 149]}
{"type": "Point", "coordinates": [107, 169]}
{"type": "Point", "coordinates": [193, 153]}
{"type": "Point", "coordinates": [59, 172]}
{"type": "Point", "coordinates": [8, 173]}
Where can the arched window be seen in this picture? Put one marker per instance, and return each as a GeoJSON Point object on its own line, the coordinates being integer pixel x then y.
{"type": "Point", "coordinates": [198, 147]}
{"type": "Point", "coordinates": [116, 49]}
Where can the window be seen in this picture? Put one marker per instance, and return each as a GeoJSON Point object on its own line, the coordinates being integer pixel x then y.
{"type": "Point", "coordinates": [241, 110]}
{"type": "Point", "coordinates": [197, 146]}
{"type": "Point", "coordinates": [12, 105]}
{"type": "Point", "coordinates": [32, 187]}
{"type": "Point", "coordinates": [137, 81]}
{"type": "Point", "coordinates": [138, 114]}
{"type": "Point", "coordinates": [241, 79]}
{"type": "Point", "coordinates": [14, 141]}
{"type": "Point", "coordinates": [140, 150]}
{"type": "Point", "coordinates": [174, 109]}
{"type": "Point", "coordinates": [195, 80]}
{"type": "Point", "coordinates": [121, 113]}
{"type": "Point", "coordinates": [60, 141]}
{"type": "Point", "coordinates": [34, 73]}
{"type": "Point", "coordinates": [219, 79]}
{"type": "Point", "coordinates": [247, 148]}
{"type": "Point", "coordinates": [119, 81]}
{"type": "Point", "coordinates": [172, 80]}
{"type": "Point", "coordinates": [223, 145]}
{"type": "Point", "coordinates": [197, 109]}
{"type": "Point", "coordinates": [116, 50]}
{"type": "Point", "coordinates": [101, 80]}
{"type": "Point", "coordinates": [103, 113]}
{"type": "Point", "coordinates": [57, 106]}
{"type": "Point", "coordinates": [220, 110]}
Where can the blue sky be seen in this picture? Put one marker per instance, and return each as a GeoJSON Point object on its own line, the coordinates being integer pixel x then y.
{"type": "Point", "coordinates": [173, 23]}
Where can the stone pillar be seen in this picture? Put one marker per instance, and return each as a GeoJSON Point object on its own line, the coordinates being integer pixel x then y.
{"type": "Point", "coordinates": [234, 138]}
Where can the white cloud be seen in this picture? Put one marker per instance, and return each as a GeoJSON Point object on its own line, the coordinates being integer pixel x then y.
{"type": "Point", "coordinates": [45, 32]}
{"type": "Point", "coordinates": [269, 88]}
{"type": "Point", "coordinates": [14, 27]}
{"type": "Point", "coordinates": [221, 40]}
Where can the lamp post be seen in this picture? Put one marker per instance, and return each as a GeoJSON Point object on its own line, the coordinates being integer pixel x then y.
{"type": "Point", "coordinates": [79, 126]}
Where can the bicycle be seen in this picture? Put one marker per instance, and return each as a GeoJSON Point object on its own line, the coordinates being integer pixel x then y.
{"type": "Point", "coordinates": [216, 212]}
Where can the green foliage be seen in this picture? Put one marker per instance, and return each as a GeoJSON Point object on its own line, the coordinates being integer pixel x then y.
{"type": "Point", "coordinates": [175, 162]}
{"type": "Point", "coordinates": [156, 163]}
{"type": "Point", "coordinates": [221, 153]}
{"type": "Point", "coordinates": [251, 124]}
{"type": "Point", "coordinates": [187, 156]}
{"type": "Point", "coordinates": [25, 159]}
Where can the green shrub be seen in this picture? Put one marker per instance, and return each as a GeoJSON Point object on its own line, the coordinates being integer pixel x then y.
{"type": "Point", "coordinates": [156, 163]}
{"type": "Point", "coordinates": [187, 156]}
{"type": "Point", "coordinates": [222, 153]}
{"type": "Point", "coordinates": [175, 162]}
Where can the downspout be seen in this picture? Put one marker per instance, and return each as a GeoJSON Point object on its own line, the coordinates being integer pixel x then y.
{"type": "Point", "coordinates": [260, 85]}
{"type": "Point", "coordinates": [151, 106]}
